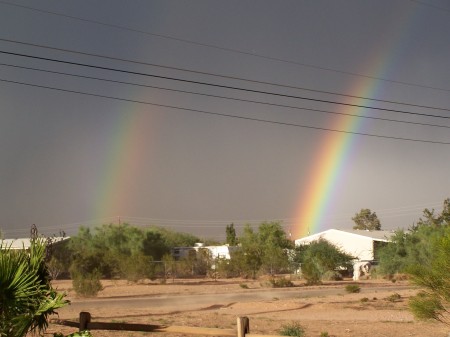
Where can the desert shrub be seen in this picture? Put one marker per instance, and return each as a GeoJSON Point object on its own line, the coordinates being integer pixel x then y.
{"type": "Point", "coordinates": [364, 299]}
{"type": "Point", "coordinates": [393, 298]}
{"type": "Point", "coordinates": [292, 329]}
{"type": "Point", "coordinates": [427, 306]}
{"type": "Point", "coordinates": [243, 286]}
{"type": "Point", "coordinates": [141, 267]}
{"type": "Point", "coordinates": [320, 258]}
{"type": "Point", "coordinates": [86, 284]}
{"type": "Point", "coordinates": [352, 288]}
{"type": "Point", "coordinates": [280, 282]}
{"type": "Point", "coordinates": [324, 334]}
{"type": "Point", "coordinates": [332, 275]}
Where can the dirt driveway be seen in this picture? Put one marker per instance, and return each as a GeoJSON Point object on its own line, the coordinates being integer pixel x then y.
{"type": "Point", "coordinates": [319, 310]}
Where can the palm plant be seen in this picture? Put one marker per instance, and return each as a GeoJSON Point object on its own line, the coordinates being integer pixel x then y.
{"type": "Point", "coordinates": [26, 295]}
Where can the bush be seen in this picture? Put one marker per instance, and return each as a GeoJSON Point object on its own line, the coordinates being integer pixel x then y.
{"type": "Point", "coordinates": [87, 284]}
{"type": "Point", "coordinates": [281, 282]}
{"type": "Point", "coordinates": [352, 288]}
{"type": "Point", "coordinates": [292, 329]}
{"type": "Point", "coordinates": [141, 267]}
{"type": "Point", "coordinates": [320, 258]}
{"type": "Point", "coordinates": [393, 298]}
{"type": "Point", "coordinates": [332, 275]}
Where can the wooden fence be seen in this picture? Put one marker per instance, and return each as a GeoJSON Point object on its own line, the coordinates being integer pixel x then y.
{"type": "Point", "coordinates": [85, 323]}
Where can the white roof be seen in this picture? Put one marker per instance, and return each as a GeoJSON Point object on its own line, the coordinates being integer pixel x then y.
{"type": "Point", "coordinates": [26, 242]}
{"type": "Point", "coordinates": [384, 236]}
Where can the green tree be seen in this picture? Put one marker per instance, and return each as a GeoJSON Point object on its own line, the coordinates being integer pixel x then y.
{"type": "Point", "coordinates": [407, 248]}
{"type": "Point", "coordinates": [27, 298]}
{"type": "Point", "coordinates": [366, 220]}
{"type": "Point", "coordinates": [433, 220]}
{"type": "Point", "coordinates": [433, 302]}
{"type": "Point", "coordinates": [250, 256]}
{"type": "Point", "coordinates": [320, 258]}
{"type": "Point", "coordinates": [154, 245]}
{"type": "Point", "coordinates": [414, 246]}
{"type": "Point", "coordinates": [264, 250]}
{"type": "Point", "coordinates": [275, 245]}
{"type": "Point", "coordinates": [231, 235]}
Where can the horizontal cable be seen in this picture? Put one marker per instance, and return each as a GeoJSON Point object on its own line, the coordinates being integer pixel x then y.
{"type": "Point", "coordinates": [224, 86]}
{"type": "Point", "coordinates": [225, 115]}
{"type": "Point", "coordinates": [221, 96]}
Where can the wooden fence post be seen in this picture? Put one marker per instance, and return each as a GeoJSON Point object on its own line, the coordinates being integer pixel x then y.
{"type": "Point", "coordinates": [243, 326]}
{"type": "Point", "coordinates": [85, 319]}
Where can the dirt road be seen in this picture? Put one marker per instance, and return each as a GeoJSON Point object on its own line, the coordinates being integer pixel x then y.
{"type": "Point", "coordinates": [328, 308]}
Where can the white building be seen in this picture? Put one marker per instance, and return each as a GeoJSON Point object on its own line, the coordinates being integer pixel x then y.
{"type": "Point", "coordinates": [361, 244]}
{"type": "Point", "coordinates": [26, 242]}
{"type": "Point", "coordinates": [222, 252]}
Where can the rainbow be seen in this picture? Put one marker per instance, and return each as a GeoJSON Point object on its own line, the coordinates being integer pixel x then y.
{"type": "Point", "coordinates": [336, 149]}
{"type": "Point", "coordinates": [129, 140]}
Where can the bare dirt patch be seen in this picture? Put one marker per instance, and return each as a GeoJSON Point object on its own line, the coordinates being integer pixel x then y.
{"type": "Point", "coordinates": [217, 304]}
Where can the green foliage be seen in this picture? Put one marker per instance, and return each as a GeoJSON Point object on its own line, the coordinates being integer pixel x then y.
{"type": "Point", "coordinates": [352, 288]}
{"type": "Point", "coordinates": [324, 334]}
{"type": "Point", "coordinates": [366, 220]}
{"type": "Point", "coordinates": [434, 301]}
{"type": "Point", "coordinates": [427, 306]}
{"type": "Point", "coordinates": [231, 235]}
{"type": "Point", "coordinates": [27, 298]}
{"type": "Point", "coordinates": [319, 258]}
{"type": "Point", "coordinates": [137, 267]}
{"type": "Point", "coordinates": [424, 253]}
{"type": "Point", "coordinates": [86, 284]}
{"type": "Point", "coordinates": [264, 250]}
{"type": "Point", "coordinates": [106, 252]}
{"type": "Point", "coordinates": [154, 245]}
{"type": "Point", "coordinates": [416, 245]}
{"type": "Point", "coordinates": [292, 329]}
{"type": "Point", "coordinates": [85, 333]}
{"type": "Point", "coordinates": [432, 220]}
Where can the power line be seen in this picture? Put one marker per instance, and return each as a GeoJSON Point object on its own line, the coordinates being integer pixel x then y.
{"type": "Point", "coordinates": [232, 50]}
{"type": "Point", "coordinates": [221, 96]}
{"type": "Point", "coordinates": [226, 86]}
{"type": "Point", "coordinates": [221, 76]}
{"type": "Point", "coordinates": [226, 115]}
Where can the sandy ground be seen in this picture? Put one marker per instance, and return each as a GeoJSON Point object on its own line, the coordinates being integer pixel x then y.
{"type": "Point", "coordinates": [319, 311]}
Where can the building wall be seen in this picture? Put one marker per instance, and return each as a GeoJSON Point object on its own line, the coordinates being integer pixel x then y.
{"type": "Point", "coordinates": [361, 247]}
{"type": "Point", "coordinates": [215, 251]}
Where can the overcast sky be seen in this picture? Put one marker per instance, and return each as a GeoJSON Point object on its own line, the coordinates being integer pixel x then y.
{"type": "Point", "coordinates": [162, 149]}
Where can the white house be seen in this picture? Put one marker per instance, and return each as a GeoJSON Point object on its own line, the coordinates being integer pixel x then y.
{"type": "Point", "coordinates": [361, 244]}
{"type": "Point", "coordinates": [215, 251]}
{"type": "Point", "coordinates": [25, 243]}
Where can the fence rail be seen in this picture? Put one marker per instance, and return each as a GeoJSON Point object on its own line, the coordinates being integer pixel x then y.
{"type": "Point", "coordinates": [85, 323]}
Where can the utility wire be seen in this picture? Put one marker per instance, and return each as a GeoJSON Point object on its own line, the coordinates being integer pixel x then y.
{"type": "Point", "coordinates": [226, 86]}
{"type": "Point", "coordinates": [225, 115]}
{"type": "Point", "coordinates": [232, 50]}
{"type": "Point", "coordinates": [220, 96]}
{"type": "Point", "coordinates": [220, 76]}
